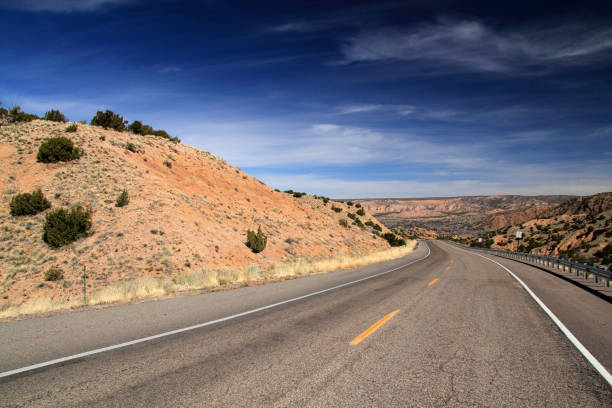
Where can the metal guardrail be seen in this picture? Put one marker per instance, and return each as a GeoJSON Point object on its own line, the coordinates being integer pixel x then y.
{"type": "Point", "coordinates": [565, 265]}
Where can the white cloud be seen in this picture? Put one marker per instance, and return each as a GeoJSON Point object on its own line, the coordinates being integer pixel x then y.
{"type": "Point", "coordinates": [474, 46]}
{"type": "Point", "coordinates": [63, 5]}
{"type": "Point", "coordinates": [365, 108]}
{"type": "Point", "coordinates": [325, 127]}
{"type": "Point", "coordinates": [342, 188]}
{"type": "Point", "coordinates": [296, 26]}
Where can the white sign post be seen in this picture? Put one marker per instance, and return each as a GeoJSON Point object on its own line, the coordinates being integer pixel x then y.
{"type": "Point", "coordinates": [519, 235]}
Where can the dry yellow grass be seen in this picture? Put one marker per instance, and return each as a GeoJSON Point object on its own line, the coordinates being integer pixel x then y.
{"type": "Point", "coordinates": [142, 288]}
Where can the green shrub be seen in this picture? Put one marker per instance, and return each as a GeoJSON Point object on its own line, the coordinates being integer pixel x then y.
{"type": "Point", "coordinates": [102, 138]}
{"type": "Point", "coordinates": [56, 149]}
{"type": "Point", "coordinates": [123, 199]}
{"type": "Point", "coordinates": [336, 209]}
{"type": "Point", "coordinates": [109, 120]}
{"type": "Point", "coordinates": [344, 223]}
{"type": "Point", "coordinates": [393, 239]}
{"type": "Point", "coordinates": [369, 223]}
{"type": "Point", "coordinates": [325, 200]}
{"type": "Point", "coordinates": [71, 128]}
{"type": "Point", "coordinates": [349, 203]}
{"type": "Point", "coordinates": [288, 191]}
{"type": "Point", "coordinates": [256, 241]}
{"type": "Point", "coordinates": [168, 164]}
{"type": "Point", "coordinates": [358, 223]}
{"type": "Point", "coordinates": [135, 127]}
{"type": "Point", "coordinates": [361, 212]}
{"type": "Point", "coordinates": [54, 273]}
{"type": "Point", "coordinates": [131, 147]}
{"type": "Point", "coordinates": [55, 116]}
{"type": "Point", "coordinates": [351, 216]}
{"type": "Point", "coordinates": [358, 205]}
{"type": "Point", "coordinates": [64, 226]}
{"type": "Point", "coordinates": [28, 204]}
{"type": "Point", "coordinates": [17, 115]}
{"type": "Point", "coordinates": [298, 195]}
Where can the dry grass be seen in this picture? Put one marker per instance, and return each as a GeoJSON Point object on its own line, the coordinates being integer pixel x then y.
{"type": "Point", "coordinates": [141, 288]}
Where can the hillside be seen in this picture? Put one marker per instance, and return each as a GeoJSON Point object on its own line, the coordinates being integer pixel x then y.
{"type": "Point", "coordinates": [188, 213]}
{"type": "Point", "coordinates": [451, 215]}
{"type": "Point", "coordinates": [580, 228]}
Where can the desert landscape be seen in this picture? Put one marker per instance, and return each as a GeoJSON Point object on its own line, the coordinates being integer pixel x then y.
{"type": "Point", "coordinates": [184, 227]}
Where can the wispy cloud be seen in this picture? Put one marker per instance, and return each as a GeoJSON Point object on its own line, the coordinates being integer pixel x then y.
{"type": "Point", "coordinates": [364, 108]}
{"type": "Point", "coordinates": [343, 188]}
{"type": "Point", "coordinates": [296, 26]}
{"type": "Point", "coordinates": [169, 69]}
{"type": "Point", "coordinates": [63, 5]}
{"type": "Point", "coordinates": [474, 46]}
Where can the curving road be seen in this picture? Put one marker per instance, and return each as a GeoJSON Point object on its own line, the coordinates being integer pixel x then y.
{"type": "Point", "coordinates": [441, 327]}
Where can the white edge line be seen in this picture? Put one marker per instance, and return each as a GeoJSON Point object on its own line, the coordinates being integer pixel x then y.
{"type": "Point", "coordinates": [585, 352]}
{"type": "Point", "coordinates": [199, 325]}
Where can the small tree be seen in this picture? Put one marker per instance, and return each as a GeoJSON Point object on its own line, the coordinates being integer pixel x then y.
{"type": "Point", "coordinates": [361, 212]}
{"type": "Point", "coordinates": [123, 199]}
{"type": "Point", "coordinates": [55, 116]}
{"type": "Point", "coordinates": [29, 204]}
{"type": "Point", "coordinates": [109, 120]}
{"type": "Point", "coordinates": [64, 226]}
{"type": "Point", "coordinates": [56, 149]}
{"type": "Point", "coordinates": [256, 241]}
{"type": "Point", "coordinates": [135, 127]}
{"type": "Point", "coordinates": [71, 128]}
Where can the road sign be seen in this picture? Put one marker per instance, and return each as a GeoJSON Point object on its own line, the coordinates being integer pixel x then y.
{"type": "Point", "coordinates": [519, 234]}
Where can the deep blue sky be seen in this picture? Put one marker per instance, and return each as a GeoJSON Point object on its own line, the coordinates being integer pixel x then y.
{"type": "Point", "coordinates": [344, 98]}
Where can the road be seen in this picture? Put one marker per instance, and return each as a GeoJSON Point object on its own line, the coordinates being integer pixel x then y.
{"type": "Point", "coordinates": [459, 331]}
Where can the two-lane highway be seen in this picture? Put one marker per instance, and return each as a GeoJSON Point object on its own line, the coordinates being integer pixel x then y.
{"type": "Point", "coordinates": [449, 328]}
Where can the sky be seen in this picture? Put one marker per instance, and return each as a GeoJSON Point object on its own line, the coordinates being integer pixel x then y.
{"type": "Point", "coordinates": [348, 99]}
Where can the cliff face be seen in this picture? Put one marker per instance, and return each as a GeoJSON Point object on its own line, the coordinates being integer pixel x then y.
{"type": "Point", "coordinates": [580, 228]}
{"type": "Point", "coordinates": [188, 210]}
{"type": "Point", "coordinates": [457, 215]}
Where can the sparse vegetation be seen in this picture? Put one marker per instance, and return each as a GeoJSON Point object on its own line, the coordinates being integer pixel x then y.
{"type": "Point", "coordinates": [138, 128]}
{"type": "Point", "coordinates": [336, 209]}
{"type": "Point", "coordinates": [393, 239]}
{"type": "Point", "coordinates": [16, 115]}
{"type": "Point", "coordinates": [109, 120]}
{"type": "Point", "coordinates": [361, 212]}
{"type": "Point", "coordinates": [131, 147]}
{"type": "Point", "coordinates": [298, 195]}
{"type": "Point", "coordinates": [168, 164]}
{"type": "Point", "coordinates": [256, 241]}
{"type": "Point", "coordinates": [64, 226]}
{"type": "Point", "coordinates": [57, 149]}
{"type": "Point", "coordinates": [55, 116]}
{"type": "Point", "coordinates": [344, 223]}
{"type": "Point", "coordinates": [123, 199]}
{"type": "Point", "coordinates": [53, 274]}
{"type": "Point", "coordinates": [71, 128]}
{"type": "Point", "coordinates": [28, 203]}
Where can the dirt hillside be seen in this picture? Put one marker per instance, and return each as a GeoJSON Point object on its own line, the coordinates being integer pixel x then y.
{"type": "Point", "coordinates": [188, 211]}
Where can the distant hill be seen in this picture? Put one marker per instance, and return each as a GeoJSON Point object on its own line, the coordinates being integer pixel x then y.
{"type": "Point", "coordinates": [188, 213]}
{"type": "Point", "coordinates": [454, 215]}
{"type": "Point", "coordinates": [580, 228]}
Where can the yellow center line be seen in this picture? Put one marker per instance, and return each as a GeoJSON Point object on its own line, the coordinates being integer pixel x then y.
{"type": "Point", "coordinates": [432, 282]}
{"type": "Point", "coordinates": [373, 328]}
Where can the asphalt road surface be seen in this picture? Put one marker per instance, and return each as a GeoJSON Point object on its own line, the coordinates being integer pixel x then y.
{"type": "Point", "coordinates": [448, 329]}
